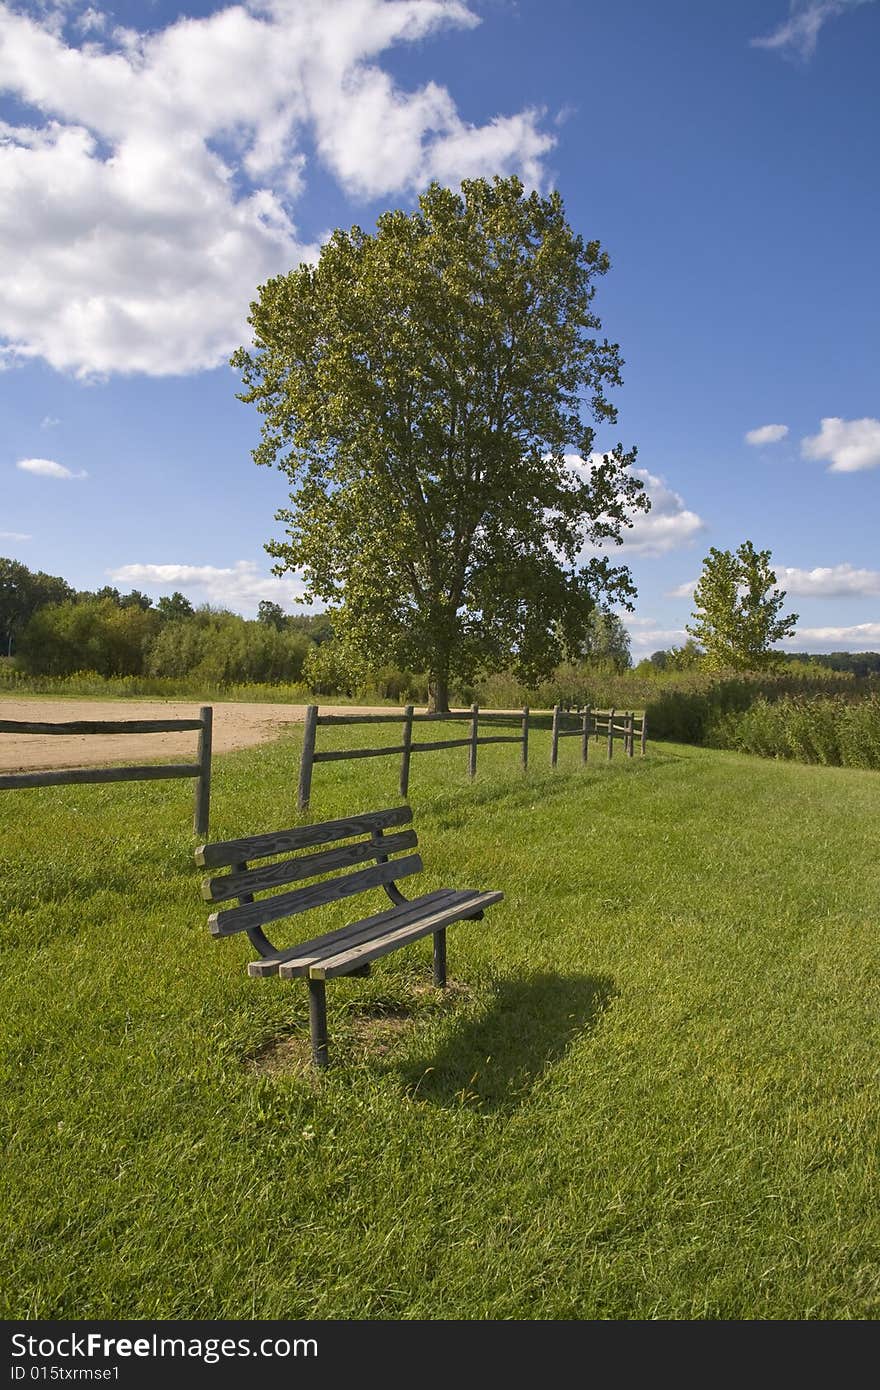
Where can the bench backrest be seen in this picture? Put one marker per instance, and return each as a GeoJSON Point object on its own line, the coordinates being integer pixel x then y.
{"type": "Point", "coordinates": [368, 842]}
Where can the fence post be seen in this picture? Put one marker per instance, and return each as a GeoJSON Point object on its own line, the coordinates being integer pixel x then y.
{"type": "Point", "coordinates": [525, 737]}
{"type": "Point", "coordinates": [644, 731]}
{"type": "Point", "coordinates": [202, 810]}
{"type": "Point", "coordinates": [308, 752]}
{"type": "Point", "coordinates": [585, 734]}
{"type": "Point", "coordinates": [472, 751]}
{"type": "Point", "coordinates": [554, 739]}
{"type": "Point", "coordinates": [610, 734]}
{"type": "Point", "coordinates": [630, 740]}
{"type": "Point", "coordinates": [407, 749]}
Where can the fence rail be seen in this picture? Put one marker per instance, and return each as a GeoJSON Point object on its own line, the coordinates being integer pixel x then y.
{"type": "Point", "coordinates": [599, 722]}
{"type": "Point", "coordinates": [73, 776]}
{"type": "Point", "coordinates": [405, 749]}
{"type": "Point", "coordinates": [591, 723]}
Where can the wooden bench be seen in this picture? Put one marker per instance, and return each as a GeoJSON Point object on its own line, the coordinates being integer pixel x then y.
{"type": "Point", "coordinates": [348, 950]}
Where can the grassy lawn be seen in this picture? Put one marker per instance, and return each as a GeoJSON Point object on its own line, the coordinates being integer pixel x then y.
{"type": "Point", "coordinates": [650, 1093]}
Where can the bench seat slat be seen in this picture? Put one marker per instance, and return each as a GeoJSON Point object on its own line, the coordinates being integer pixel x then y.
{"type": "Point", "coordinates": [379, 945]}
{"type": "Point", "coordinates": [234, 885]}
{"type": "Point", "coordinates": [224, 852]}
{"type": "Point", "coordinates": [370, 929]}
{"type": "Point", "coordinates": [259, 969]}
{"type": "Point", "coordinates": [332, 890]}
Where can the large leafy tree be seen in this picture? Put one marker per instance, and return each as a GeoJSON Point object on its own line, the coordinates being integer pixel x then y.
{"type": "Point", "coordinates": [737, 610]}
{"type": "Point", "coordinates": [421, 387]}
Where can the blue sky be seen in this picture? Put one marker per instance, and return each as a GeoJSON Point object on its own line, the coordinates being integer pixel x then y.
{"type": "Point", "coordinates": [157, 163]}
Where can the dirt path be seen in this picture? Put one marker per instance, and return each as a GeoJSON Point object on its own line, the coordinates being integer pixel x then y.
{"type": "Point", "coordinates": [235, 726]}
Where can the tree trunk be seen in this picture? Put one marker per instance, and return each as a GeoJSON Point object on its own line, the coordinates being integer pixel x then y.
{"type": "Point", "coordinates": [438, 694]}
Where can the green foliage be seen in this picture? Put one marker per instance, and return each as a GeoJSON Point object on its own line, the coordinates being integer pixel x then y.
{"type": "Point", "coordinates": [736, 610]}
{"type": "Point", "coordinates": [318, 627]}
{"type": "Point", "coordinates": [272, 613]}
{"type": "Point", "coordinates": [88, 683]}
{"type": "Point", "coordinates": [606, 641]}
{"type": "Point", "coordinates": [221, 648]}
{"type": "Point", "coordinates": [174, 607]}
{"type": "Point", "coordinates": [96, 634]}
{"type": "Point", "coordinates": [857, 663]}
{"type": "Point", "coordinates": [22, 592]}
{"type": "Point", "coordinates": [210, 647]}
{"type": "Point", "coordinates": [833, 731]}
{"type": "Point", "coordinates": [135, 599]}
{"type": "Point", "coordinates": [689, 657]}
{"type": "Point", "coordinates": [421, 387]}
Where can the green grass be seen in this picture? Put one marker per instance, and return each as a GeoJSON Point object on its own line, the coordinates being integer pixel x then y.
{"type": "Point", "coordinates": [652, 1095]}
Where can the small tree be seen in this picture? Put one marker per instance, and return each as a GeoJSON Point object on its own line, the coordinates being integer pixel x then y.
{"type": "Point", "coordinates": [607, 641]}
{"type": "Point", "coordinates": [175, 607]}
{"type": "Point", "coordinates": [424, 389]}
{"type": "Point", "coordinates": [272, 613]}
{"type": "Point", "coordinates": [736, 610]}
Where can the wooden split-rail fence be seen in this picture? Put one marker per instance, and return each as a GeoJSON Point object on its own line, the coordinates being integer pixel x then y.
{"type": "Point", "coordinates": [600, 725]}
{"type": "Point", "coordinates": [591, 723]}
{"type": "Point", "coordinates": [200, 769]}
{"type": "Point", "coordinates": [407, 746]}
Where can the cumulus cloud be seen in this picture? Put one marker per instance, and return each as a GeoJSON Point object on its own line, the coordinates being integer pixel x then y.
{"type": "Point", "coordinates": [685, 590]}
{"type": "Point", "coordinates": [156, 190]}
{"type": "Point", "coordinates": [849, 445]}
{"type": "Point", "coordinates": [831, 581]}
{"type": "Point", "coordinates": [48, 468]}
{"type": "Point", "coordinates": [646, 635]}
{"type": "Point", "coordinates": [798, 35]}
{"type": "Point", "coordinates": [857, 637]}
{"type": "Point", "coordinates": [239, 587]}
{"type": "Point", "coordinates": [667, 526]}
{"type": "Point", "coordinates": [825, 581]}
{"type": "Point", "coordinates": [766, 434]}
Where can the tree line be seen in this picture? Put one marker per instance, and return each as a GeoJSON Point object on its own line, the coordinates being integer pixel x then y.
{"type": "Point", "coordinates": [52, 629]}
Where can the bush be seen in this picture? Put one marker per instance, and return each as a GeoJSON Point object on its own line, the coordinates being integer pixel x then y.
{"type": "Point", "coordinates": [97, 634]}
{"type": "Point", "coordinates": [822, 729]}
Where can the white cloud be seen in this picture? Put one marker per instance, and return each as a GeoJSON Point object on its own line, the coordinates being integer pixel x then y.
{"type": "Point", "coordinates": [91, 21]}
{"type": "Point", "coordinates": [825, 581]}
{"type": "Point", "coordinates": [833, 581]}
{"type": "Point", "coordinates": [667, 526]}
{"type": "Point", "coordinates": [48, 468]}
{"type": "Point", "coordinates": [14, 536]}
{"type": "Point", "coordinates": [685, 590]}
{"type": "Point", "coordinates": [647, 636]}
{"type": "Point", "coordinates": [858, 637]}
{"type": "Point", "coordinates": [798, 35]}
{"type": "Point", "coordinates": [239, 587]}
{"type": "Point", "coordinates": [766, 434]}
{"type": "Point", "coordinates": [138, 219]}
{"type": "Point", "coordinates": [49, 422]}
{"type": "Point", "coordinates": [849, 445]}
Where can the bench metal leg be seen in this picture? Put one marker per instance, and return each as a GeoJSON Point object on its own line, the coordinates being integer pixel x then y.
{"type": "Point", "coordinates": [440, 958]}
{"type": "Point", "coordinates": [318, 1023]}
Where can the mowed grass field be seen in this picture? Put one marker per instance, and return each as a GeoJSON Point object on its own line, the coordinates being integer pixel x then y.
{"type": "Point", "coordinates": [651, 1092]}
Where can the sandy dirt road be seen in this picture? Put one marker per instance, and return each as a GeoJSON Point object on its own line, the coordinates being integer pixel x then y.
{"type": "Point", "coordinates": [235, 726]}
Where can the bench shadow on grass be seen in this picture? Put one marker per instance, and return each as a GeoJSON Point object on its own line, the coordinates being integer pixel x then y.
{"type": "Point", "coordinates": [493, 1062]}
